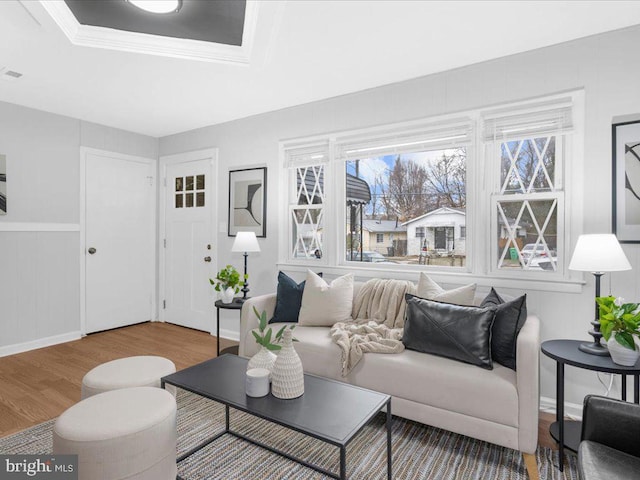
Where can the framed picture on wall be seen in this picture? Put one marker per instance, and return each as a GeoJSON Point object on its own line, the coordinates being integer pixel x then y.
{"type": "Point", "coordinates": [248, 201]}
{"type": "Point", "coordinates": [3, 185]}
{"type": "Point", "coordinates": [626, 181]}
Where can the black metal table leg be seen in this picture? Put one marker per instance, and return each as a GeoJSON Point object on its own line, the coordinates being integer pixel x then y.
{"type": "Point", "coordinates": [217, 332]}
{"type": "Point", "coordinates": [343, 463]}
{"type": "Point", "coordinates": [624, 388]}
{"type": "Point", "coordinates": [560, 411]}
{"type": "Point", "coordinates": [389, 464]}
{"type": "Point", "coordinates": [636, 389]}
{"type": "Point", "coordinates": [226, 408]}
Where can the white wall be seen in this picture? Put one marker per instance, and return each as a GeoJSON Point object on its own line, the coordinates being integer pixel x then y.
{"type": "Point", "coordinates": [39, 236]}
{"type": "Point", "coordinates": [602, 65]}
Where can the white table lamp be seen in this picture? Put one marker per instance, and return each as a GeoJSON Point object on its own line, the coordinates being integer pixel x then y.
{"type": "Point", "coordinates": [598, 253]}
{"type": "Point", "coordinates": [245, 242]}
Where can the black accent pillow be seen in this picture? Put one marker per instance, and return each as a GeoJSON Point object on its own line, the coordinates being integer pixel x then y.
{"type": "Point", "coordinates": [510, 317]}
{"type": "Point", "coordinates": [288, 299]}
{"type": "Point", "coordinates": [453, 331]}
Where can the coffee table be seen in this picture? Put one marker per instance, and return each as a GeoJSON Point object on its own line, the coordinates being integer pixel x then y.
{"type": "Point", "coordinates": [330, 411]}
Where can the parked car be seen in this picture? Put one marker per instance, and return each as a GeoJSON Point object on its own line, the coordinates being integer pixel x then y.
{"type": "Point", "coordinates": [533, 250]}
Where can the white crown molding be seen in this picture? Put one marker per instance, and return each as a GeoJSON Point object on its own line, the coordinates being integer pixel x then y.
{"type": "Point", "coordinates": [107, 38]}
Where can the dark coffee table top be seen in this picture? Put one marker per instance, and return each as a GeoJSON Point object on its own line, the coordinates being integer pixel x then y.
{"type": "Point", "coordinates": [329, 410]}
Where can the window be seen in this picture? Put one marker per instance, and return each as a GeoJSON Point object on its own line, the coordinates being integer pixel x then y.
{"type": "Point", "coordinates": [411, 183]}
{"type": "Point", "coordinates": [500, 171]}
{"type": "Point", "coordinates": [189, 191]}
{"type": "Point", "coordinates": [528, 199]}
{"type": "Point", "coordinates": [306, 202]}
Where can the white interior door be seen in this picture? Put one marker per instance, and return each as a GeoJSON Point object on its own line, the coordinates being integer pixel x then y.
{"type": "Point", "coordinates": [188, 257]}
{"type": "Point", "coordinates": [118, 239]}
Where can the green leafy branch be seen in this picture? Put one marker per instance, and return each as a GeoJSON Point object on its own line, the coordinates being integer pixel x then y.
{"type": "Point", "coordinates": [265, 335]}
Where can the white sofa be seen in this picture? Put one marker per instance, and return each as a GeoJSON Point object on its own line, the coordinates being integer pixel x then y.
{"type": "Point", "coordinates": [499, 406]}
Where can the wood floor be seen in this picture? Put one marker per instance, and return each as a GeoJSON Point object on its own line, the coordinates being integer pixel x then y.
{"type": "Point", "coordinates": [41, 384]}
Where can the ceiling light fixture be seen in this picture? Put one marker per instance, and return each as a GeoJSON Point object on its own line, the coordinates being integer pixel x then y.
{"type": "Point", "coordinates": [157, 6]}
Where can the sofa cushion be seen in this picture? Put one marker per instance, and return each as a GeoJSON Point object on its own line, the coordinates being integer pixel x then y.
{"type": "Point", "coordinates": [324, 304]}
{"type": "Point", "coordinates": [443, 383]}
{"type": "Point", "coordinates": [453, 331]}
{"type": "Point", "coordinates": [510, 317]}
{"type": "Point", "coordinates": [288, 299]}
{"type": "Point", "coordinates": [430, 290]}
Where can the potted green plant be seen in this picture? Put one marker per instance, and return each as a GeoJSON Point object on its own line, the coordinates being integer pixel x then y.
{"type": "Point", "coordinates": [620, 325]}
{"type": "Point", "coordinates": [227, 283]}
{"type": "Point", "coordinates": [269, 343]}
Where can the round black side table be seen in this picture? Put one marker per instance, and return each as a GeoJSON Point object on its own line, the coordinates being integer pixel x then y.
{"type": "Point", "coordinates": [565, 352]}
{"type": "Point", "coordinates": [234, 305]}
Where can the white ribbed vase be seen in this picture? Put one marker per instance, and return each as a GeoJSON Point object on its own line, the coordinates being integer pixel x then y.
{"type": "Point", "coordinates": [263, 359]}
{"type": "Point", "coordinates": [622, 355]}
{"type": "Point", "coordinates": [287, 376]}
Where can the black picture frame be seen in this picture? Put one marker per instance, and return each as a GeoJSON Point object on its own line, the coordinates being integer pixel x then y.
{"type": "Point", "coordinates": [247, 201]}
{"type": "Point", "coordinates": [625, 181]}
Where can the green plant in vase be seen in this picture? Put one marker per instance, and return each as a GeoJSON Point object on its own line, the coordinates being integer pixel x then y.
{"type": "Point", "coordinates": [269, 343]}
{"type": "Point", "coordinates": [620, 326]}
{"type": "Point", "coordinates": [227, 282]}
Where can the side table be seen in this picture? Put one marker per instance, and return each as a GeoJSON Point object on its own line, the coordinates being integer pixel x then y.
{"type": "Point", "coordinates": [234, 305]}
{"type": "Point", "coordinates": [565, 352]}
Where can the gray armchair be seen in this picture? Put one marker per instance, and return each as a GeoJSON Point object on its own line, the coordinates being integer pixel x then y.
{"type": "Point", "coordinates": [610, 446]}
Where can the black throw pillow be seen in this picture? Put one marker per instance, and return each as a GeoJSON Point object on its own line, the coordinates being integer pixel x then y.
{"type": "Point", "coordinates": [288, 299]}
{"type": "Point", "coordinates": [453, 331]}
{"type": "Point", "coordinates": [510, 317]}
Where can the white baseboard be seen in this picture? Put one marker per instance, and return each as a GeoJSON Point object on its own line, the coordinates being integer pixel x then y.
{"type": "Point", "coordinates": [229, 334]}
{"type": "Point", "coordinates": [571, 410]}
{"type": "Point", "coordinates": [39, 343]}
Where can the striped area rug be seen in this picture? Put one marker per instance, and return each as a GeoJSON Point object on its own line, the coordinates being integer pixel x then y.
{"type": "Point", "coordinates": [419, 451]}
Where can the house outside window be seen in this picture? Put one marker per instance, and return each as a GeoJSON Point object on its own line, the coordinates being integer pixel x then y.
{"type": "Point", "coordinates": [419, 232]}
{"type": "Point", "coordinates": [379, 237]}
{"type": "Point", "coordinates": [463, 231]}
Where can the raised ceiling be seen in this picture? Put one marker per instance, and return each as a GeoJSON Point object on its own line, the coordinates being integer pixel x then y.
{"type": "Point", "coordinates": [220, 21]}
{"type": "Point", "coordinates": [302, 51]}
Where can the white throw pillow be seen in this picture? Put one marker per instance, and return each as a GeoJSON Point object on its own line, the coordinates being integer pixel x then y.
{"type": "Point", "coordinates": [430, 290]}
{"type": "Point", "coordinates": [325, 304]}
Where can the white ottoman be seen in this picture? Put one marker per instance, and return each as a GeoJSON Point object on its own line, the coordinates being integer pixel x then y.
{"type": "Point", "coordinates": [128, 433]}
{"type": "Point", "coordinates": [142, 371]}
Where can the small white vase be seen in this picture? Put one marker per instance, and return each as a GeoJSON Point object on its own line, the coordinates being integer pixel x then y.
{"type": "Point", "coordinates": [265, 358]}
{"type": "Point", "coordinates": [227, 295]}
{"type": "Point", "coordinates": [622, 355]}
{"type": "Point", "coordinates": [287, 376]}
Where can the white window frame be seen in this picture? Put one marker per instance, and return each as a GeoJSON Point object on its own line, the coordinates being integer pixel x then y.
{"type": "Point", "coordinates": [379, 237]}
{"type": "Point", "coordinates": [483, 172]}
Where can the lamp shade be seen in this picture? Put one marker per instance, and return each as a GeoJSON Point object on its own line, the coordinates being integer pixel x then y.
{"type": "Point", "coordinates": [599, 252]}
{"type": "Point", "coordinates": [245, 242]}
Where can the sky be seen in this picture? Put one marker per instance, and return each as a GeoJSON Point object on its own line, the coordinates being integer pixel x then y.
{"type": "Point", "coordinates": [381, 166]}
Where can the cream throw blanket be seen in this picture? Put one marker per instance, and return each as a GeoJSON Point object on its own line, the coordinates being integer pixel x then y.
{"type": "Point", "coordinates": [378, 320]}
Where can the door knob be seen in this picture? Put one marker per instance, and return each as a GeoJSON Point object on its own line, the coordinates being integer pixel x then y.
{"type": "Point", "coordinates": [91, 251]}
{"type": "Point", "coordinates": [207, 259]}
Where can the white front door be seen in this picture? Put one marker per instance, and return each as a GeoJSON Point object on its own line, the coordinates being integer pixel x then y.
{"type": "Point", "coordinates": [188, 252]}
{"type": "Point", "coordinates": [118, 239]}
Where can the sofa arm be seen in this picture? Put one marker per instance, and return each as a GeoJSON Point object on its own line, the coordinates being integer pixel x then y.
{"type": "Point", "coordinates": [248, 319]}
{"type": "Point", "coordinates": [613, 423]}
{"type": "Point", "coordinates": [528, 384]}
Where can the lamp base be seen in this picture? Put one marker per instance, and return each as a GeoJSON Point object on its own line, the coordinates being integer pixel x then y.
{"type": "Point", "coordinates": [594, 348]}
